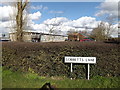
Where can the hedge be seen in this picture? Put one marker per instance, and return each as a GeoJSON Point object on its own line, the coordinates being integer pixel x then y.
{"type": "Point", "coordinates": [47, 59]}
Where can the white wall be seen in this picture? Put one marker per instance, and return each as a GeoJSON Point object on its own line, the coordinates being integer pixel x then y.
{"type": "Point", "coordinates": [12, 37]}
{"type": "Point", "coordinates": [44, 38]}
{"type": "Point", "coordinates": [50, 38]}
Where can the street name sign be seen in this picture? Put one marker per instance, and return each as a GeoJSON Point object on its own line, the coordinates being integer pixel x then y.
{"type": "Point", "coordinates": [89, 60]}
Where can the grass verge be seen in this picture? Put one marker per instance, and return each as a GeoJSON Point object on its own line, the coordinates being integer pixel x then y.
{"type": "Point", "coordinates": [28, 80]}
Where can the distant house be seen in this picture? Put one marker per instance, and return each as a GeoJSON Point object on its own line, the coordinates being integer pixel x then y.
{"type": "Point", "coordinates": [4, 38]}
{"type": "Point", "coordinates": [39, 37]}
{"type": "Point", "coordinates": [76, 36]}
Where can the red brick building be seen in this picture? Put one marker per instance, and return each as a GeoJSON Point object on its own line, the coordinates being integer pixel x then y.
{"type": "Point", "coordinates": [76, 36]}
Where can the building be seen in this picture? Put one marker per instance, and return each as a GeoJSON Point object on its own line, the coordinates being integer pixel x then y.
{"type": "Point", "coordinates": [76, 36]}
{"type": "Point", "coordinates": [39, 37]}
{"type": "Point", "coordinates": [4, 37]}
{"type": "Point", "coordinates": [119, 31]}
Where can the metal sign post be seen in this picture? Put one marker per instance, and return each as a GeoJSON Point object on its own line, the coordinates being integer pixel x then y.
{"type": "Point", "coordinates": [88, 70]}
{"type": "Point", "coordinates": [71, 67]}
{"type": "Point", "coordinates": [71, 70]}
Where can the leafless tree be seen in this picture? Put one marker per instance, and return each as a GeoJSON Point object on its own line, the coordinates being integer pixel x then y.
{"type": "Point", "coordinates": [70, 31]}
{"type": "Point", "coordinates": [99, 33]}
{"type": "Point", "coordinates": [53, 28]}
{"type": "Point", "coordinates": [19, 19]}
{"type": "Point", "coordinates": [109, 30]}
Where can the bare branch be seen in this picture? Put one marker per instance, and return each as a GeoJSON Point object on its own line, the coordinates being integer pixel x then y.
{"type": "Point", "coordinates": [24, 5]}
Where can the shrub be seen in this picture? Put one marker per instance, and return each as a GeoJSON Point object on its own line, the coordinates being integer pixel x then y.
{"type": "Point", "coordinates": [47, 59]}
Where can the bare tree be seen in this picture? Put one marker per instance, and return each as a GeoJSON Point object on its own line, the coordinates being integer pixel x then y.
{"type": "Point", "coordinates": [111, 20]}
{"type": "Point", "coordinates": [53, 28]}
{"type": "Point", "coordinates": [20, 22]}
{"type": "Point", "coordinates": [17, 18]}
{"type": "Point", "coordinates": [109, 30]}
{"type": "Point", "coordinates": [20, 19]}
{"type": "Point", "coordinates": [99, 33]}
{"type": "Point", "coordinates": [73, 30]}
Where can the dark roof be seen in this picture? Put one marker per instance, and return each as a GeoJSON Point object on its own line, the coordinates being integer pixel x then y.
{"type": "Point", "coordinates": [77, 34]}
{"type": "Point", "coordinates": [46, 34]}
{"type": "Point", "coordinates": [53, 34]}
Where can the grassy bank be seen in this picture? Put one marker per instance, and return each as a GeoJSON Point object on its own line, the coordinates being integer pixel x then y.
{"type": "Point", "coordinates": [27, 80]}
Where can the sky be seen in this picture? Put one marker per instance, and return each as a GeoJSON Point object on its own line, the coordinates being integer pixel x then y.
{"type": "Point", "coordinates": [64, 16]}
{"type": "Point", "coordinates": [70, 10]}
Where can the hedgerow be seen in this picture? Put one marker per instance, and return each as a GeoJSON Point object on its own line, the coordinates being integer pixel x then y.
{"type": "Point", "coordinates": [47, 59]}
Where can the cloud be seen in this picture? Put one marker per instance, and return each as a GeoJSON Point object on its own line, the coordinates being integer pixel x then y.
{"type": "Point", "coordinates": [40, 7]}
{"type": "Point", "coordinates": [114, 30]}
{"type": "Point", "coordinates": [5, 27]}
{"type": "Point", "coordinates": [39, 26]}
{"type": "Point", "coordinates": [7, 20]}
{"type": "Point", "coordinates": [108, 8]}
{"type": "Point", "coordinates": [49, 23]}
{"type": "Point", "coordinates": [56, 12]}
{"type": "Point", "coordinates": [62, 24]}
{"type": "Point", "coordinates": [56, 21]}
{"type": "Point", "coordinates": [35, 16]}
{"type": "Point", "coordinates": [6, 12]}
{"type": "Point", "coordinates": [83, 22]}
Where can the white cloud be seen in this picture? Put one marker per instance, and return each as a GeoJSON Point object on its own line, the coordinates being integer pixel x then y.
{"type": "Point", "coordinates": [7, 21]}
{"type": "Point", "coordinates": [109, 8]}
{"type": "Point", "coordinates": [40, 7]}
{"type": "Point", "coordinates": [45, 8]}
{"type": "Point", "coordinates": [56, 21]}
{"type": "Point", "coordinates": [114, 30]}
{"type": "Point", "coordinates": [39, 26]}
{"type": "Point", "coordinates": [6, 12]}
{"type": "Point", "coordinates": [111, 1]}
{"type": "Point", "coordinates": [63, 24]}
{"type": "Point", "coordinates": [56, 12]}
{"type": "Point", "coordinates": [36, 7]}
{"type": "Point", "coordinates": [3, 27]}
{"type": "Point", "coordinates": [35, 16]}
{"type": "Point", "coordinates": [83, 22]}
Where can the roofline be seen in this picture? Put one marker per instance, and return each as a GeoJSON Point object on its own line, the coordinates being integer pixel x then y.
{"type": "Point", "coordinates": [78, 33]}
{"type": "Point", "coordinates": [42, 33]}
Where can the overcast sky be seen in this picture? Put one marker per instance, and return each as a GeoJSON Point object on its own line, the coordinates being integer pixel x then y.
{"type": "Point", "coordinates": [70, 15]}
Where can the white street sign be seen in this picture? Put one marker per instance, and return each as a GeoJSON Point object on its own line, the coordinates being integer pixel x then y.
{"type": "Point", "coordinates": [90, 60]}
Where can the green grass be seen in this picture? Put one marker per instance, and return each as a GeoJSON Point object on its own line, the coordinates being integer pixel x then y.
{"type": "Point", "coordinates": [28, 80]}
